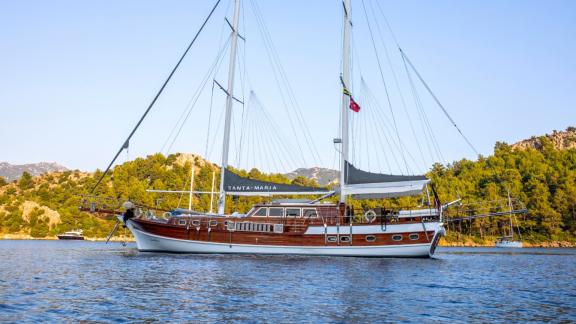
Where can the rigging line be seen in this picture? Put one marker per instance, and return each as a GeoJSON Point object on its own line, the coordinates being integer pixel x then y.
{"type": "Point", "coordinates": [262, 146]}
{"type": "Point", "coordinates": [275, 149]}
{"type": "Point", "coordinates": [213, 70]}
{"type": "Point", "coordinates": [374, 127]}
{"type": "Point", "coordinates": [209, 121]}
{"type": "Point", "coordinates": [275, 58]}
{"type": "Point", "coordinates": [279, 80]}
{"type": "Point", "coordinates": [384, 82]}
{"type": "Point", "coordinates": [184, 113]}
{"type": "Point", "coordinates": [384, 121]}
{"type": "Point", "coordinates": [438, 102]}
{"type": "Point", "coordinates": [275, 130]}
{"type": "Point", "coordinates": [156, 97]}
{"type": "Point", "coordinates": [421, 118]}
{"type": "Point", "coordinates": [387, 24]}
{"type": "Point", "coordinates": [428, 131]}
{"type": "Point", "coordinates": [243, 80]}
{"type": "Point", "coordinates": [282, 96]}
{"type": "Point", "coordinates": [366, 137]}
{"type": "Point", "coordinates": [415, 93]}
{"type": "Point", "coordinates": [185, 187]}
{"type": "Point", "coordinates": [273, 153]}
{"type": "Point", "coordinates": [216, 131]}
{"type": "Point", "coordinates": [398, 144]}
{"type": "Point", "coordinates": [290, 92]}
{"type": "Point", "coordinates": [383, 134]}
{"type": "Point", "coordinates": [259, 149]}
{"type": "Point", "coordinates": [397, 83]}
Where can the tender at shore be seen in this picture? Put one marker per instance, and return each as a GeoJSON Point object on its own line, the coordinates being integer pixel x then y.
{"type": "Point", "coordinates": [467, 242]}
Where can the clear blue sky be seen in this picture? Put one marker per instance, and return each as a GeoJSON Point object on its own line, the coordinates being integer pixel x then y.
{"type": "Point", "coordinates": [76, 75]}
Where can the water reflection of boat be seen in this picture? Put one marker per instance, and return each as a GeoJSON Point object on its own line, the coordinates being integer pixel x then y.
{"type": "Point", "coordinates": [71, 235]}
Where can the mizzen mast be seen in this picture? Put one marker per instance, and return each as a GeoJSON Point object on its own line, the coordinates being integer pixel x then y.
{"type": "Point", "coordinates": [345, 98]}
{"type": "Point", "coordinates": [229, 102]}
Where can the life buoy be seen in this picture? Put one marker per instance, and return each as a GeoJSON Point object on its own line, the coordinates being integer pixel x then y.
{"type": "Point", "coordinates": [370, 215]}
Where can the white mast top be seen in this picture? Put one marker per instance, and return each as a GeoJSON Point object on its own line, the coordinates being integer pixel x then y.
{"type": "Point", "coordinates": [345, 98]}
{"type": "Point", "coordinates": [229, 102]}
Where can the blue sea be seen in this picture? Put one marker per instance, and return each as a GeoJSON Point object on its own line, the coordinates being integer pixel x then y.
{"type": "Point", "coordinates": [70, 281]}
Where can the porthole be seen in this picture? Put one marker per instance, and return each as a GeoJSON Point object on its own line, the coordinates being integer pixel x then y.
{"type": "Point", "coordinates": [414, 236]}
{"type": "Point", "coordinates": [370, 238]}
{"type": "Point", "coordinates": [182, 222]}
{"type": "Point", "coordinates": [397, 237]}
{"type": "Point", "coordinates": [345, 239]}
{"type": "Point", "coordinates": [332, 239]}
{"type": "Point", "coordinates": [213, 222]}
{"type": "Point", "coordinates": [196, 222]}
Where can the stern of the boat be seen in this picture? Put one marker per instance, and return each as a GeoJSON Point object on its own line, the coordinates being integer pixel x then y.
{"type": "Point", "coordinates": [440, 232]}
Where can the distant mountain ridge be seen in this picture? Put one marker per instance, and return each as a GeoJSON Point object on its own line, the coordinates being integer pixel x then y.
{"type": "Point", "coordinates": [323, 176]}
{"type": "Point", "coordinates": [561, 140]}
{"type": "Point", "coordinates": [12, 172]}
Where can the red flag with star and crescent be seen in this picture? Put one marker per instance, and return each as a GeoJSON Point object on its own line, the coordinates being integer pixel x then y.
{"type": "Point", "coordinates": [354, 106]}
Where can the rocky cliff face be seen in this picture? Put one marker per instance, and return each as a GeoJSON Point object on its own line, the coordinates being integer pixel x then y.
{"type": "Point", "coordinates": [561, 140]}
{"type": "Point", "coordinates": [12, 172]}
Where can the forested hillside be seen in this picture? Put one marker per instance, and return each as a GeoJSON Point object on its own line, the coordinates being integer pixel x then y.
{"type": "Point", "coordinates": [543, 178]}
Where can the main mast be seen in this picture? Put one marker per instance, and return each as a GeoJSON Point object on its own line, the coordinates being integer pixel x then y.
{"type": "Point", "coordinates": [229, 102]}
{"type": "Point", "coordinates": [345, 98]}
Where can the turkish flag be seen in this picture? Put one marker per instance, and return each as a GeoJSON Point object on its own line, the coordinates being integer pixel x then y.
{"type": "Point", "coordinates": [354, 106]}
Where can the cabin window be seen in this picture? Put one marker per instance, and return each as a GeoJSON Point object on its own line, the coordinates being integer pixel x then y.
{"type": "Point", "coordinates": [310, 213]}
{"type": "Point", "coordinates": [345, 239]}
{"type": "Point", "coordinates": [332, 239]}
{"type": "Point", "coordinates": [213, 222]}
{"type": "Point", "coordinates": [414, 236]}
{"type": "Point", "coordinates": [276, 212]}
{"type": "Point", "coordinates": [397, 237]}
{"type": "Point", "coordinates": [196, 222]}
{"type": "Point", "coordinates": [292, 212]}
{"type": "Point", "coordinates": [278, 228]}
{"type": "Point", "coordinates": [260, 212]}
{"type": "Point", "coordinates": [182, 222]}
{"type": "Point", "coordinates": [370, 238]}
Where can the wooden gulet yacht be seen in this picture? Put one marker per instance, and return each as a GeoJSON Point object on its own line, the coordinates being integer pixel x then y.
{"type": "Point", "coordinates": [299, 227]}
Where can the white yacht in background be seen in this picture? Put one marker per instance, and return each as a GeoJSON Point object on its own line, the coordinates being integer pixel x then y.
{"type": "Point", "coordinates": [508, 241]}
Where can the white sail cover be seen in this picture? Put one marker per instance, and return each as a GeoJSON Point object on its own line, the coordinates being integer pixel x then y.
{"type": "Point", "coordinates": [368, 185]}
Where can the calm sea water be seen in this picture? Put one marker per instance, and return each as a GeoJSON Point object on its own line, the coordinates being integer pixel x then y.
{"type": "Point", "coordinates": [71, 281]}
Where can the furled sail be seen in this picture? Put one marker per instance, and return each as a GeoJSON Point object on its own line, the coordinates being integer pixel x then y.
{"type": "Point", "coordinates": [238, 186]}
{"type": "Point", "coordinates": [368, 185]}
